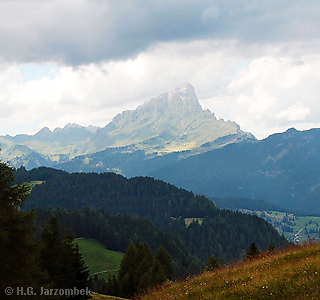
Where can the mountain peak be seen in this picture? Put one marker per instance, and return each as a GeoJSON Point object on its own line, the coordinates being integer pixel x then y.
{"type": "Point", "coordinates": [72, 125]}
{"type": "Point", "coordinates": [181, 100]}
{"type": "Point", "coordinates": [173, 121]}
{"type": "Point", "coordinates": [185, 97]}
{"type": "Point", "coordinates": [183, 87]}
{"type": "Point", "coordinates": [44, 131]}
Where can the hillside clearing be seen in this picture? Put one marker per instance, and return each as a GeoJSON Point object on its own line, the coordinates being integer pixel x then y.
{"type": "Point", "coordinates": [101, 261]}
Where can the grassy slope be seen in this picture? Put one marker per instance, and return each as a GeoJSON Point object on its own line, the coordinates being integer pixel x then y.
{"type": "Point", "coordinates": [99, 259]}
{"type": "Point", "coordinates": [96, 296]}
{"type": "Point", "coordinates": [294, 274]}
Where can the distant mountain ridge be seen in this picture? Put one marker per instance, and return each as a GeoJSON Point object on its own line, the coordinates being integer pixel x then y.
{"type": "Point", "coordinates": [283, 169]}
{"type": "Point", "coordinates": [172, 122]}
{"type": "Point", "coordinates": [172, 138]}
{"type": "Point", "coordinates": [46, 147]}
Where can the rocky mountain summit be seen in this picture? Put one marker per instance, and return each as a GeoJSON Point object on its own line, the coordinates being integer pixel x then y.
{"type": "Point", "coordinates": [172, 122]}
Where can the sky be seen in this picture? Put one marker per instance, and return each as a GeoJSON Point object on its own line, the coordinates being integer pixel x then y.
{"type": "Point", "coordinates": [84, 61]}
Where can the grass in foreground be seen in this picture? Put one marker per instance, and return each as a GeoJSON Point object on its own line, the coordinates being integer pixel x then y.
{"type": "Point", "coordinates": [99, 260]}
{"type": "Point", "coordinates": [96, 296]}
{"type": "Point", "coordinates": [294, 274]}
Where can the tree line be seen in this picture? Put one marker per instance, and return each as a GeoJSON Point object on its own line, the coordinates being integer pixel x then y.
{"type": "Point", "coordinates": [224, 233]}
{"type": "Point", "coordinates": [44, 256]}
{"type": "Point", "coordinates": [35, 267]}
{"type": "Point", "coordinates": [115, 232]}
{"type": "Point", "coordinates": [140, 270]}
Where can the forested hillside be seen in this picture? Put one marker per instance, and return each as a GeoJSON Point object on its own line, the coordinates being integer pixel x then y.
{"type": "Point", "coordinates": [225, 234]}
{"type": "Point", "coordinates": [31, 267]}
{"type": "Point", "coordinates": [282, 169]}
{"type": "Point", "coordinates": [117, 231]}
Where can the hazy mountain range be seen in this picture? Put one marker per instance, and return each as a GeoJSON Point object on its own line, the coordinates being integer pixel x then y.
{"type": "Point", "coordinates": [283, 169]}
{"type": "Point", "coordinates": [172, 122]}
{"type": "Point", "coordinates": [172, 138]}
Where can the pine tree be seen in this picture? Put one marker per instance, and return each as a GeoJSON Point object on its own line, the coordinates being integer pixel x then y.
{"type": "Point", "coordinates": [82, 278]}
{"type": "Point", "coordinates": [165, 260]}
{"type": "Point", "coordinates": [253, 252]}
{"type": "Point", "coordinates": [126, 274]}
{"type": "Point", "coordinates": [158, 273]}
{"type": "Point", "coordinates": [55, 255]}
{"type": "Point", "coordinates": [127, 264]}
{"type": "Point", "coordinates": [145, 282]}
{"type": "Point", "coordinates": [212, 264]}
{"type": "Point", "coordinates": [60, 257]}
{"type": "Point", "coordinates": [18, 250]}
{"type": "Point", "coordinates": [127, 286]}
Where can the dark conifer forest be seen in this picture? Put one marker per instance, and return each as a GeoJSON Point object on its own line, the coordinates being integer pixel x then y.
{"type": "Point", "coordinates": [166, 232]}
{"type": "Point", "coordinates": [32, 266]}
{"type": "Point", "coordinates": [117, 231]}
{"type": "Point", "coordinates": [224, 233]}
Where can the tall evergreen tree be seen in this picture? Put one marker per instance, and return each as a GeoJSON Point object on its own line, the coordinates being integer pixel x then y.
{"type": "Point", "coordinates": [128, 262]}
{"type": "Point", "coordinates": [18, 250]}
{"type": "Point", "coordinates": [55, 256]}
{"type": "Point", "coordinates": [158, 273]}
{"type": "Point", "coordinates": [212, 264]}
{"type": "Point", "coordinates": [253, 252]}
{"type": "Point", "coordinates": [82, 279]}
{"type": "Point", "coordinates": [165, 260]}
{"type": "Point", "coordinates": [53, 262]}
{"type": "Point", "coordinates": [60, 257]}
{"type": "Point", "coordinates": [140, 270]}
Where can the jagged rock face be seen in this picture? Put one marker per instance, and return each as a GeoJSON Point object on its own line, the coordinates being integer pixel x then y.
{"type": "Point", "coordinates": [182, 101]}
{"type": "Point", "coordinates": [173, 121]}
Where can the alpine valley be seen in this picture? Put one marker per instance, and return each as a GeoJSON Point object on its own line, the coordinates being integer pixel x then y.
{"type": "Point", "coordinates": [149, 186]}
{"type": "Point", "coordinates": [172, 138]}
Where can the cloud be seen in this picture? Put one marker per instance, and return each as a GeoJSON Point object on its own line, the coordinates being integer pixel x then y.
{"type": "Point", "coordinates": [211, 12]}
{"type": "Point", "coordinates": [296, 112]}
{"type": "Point", "coordinates": [263, 93]}
{"type": "Point", "coordinates": [254, 62]}
{"type": "Point", "coordinates": [270, 93]}
{"type": "Point", "coordinates": [88, 31]}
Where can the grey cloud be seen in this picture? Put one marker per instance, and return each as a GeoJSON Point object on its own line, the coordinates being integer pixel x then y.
{"type": "Point", "coordinates": [80, 32]}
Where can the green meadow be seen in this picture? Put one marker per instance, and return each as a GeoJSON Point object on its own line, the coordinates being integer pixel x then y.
{"type": "Point", "coordinates": [294, 228]}
{"type": "Point", "coordinates": [101, 261]}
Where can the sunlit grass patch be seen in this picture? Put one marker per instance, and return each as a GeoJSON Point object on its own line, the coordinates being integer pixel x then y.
{"type": "Point", "coordinates": [101, 261]}
{"type": "Point", "coordinates": [293, 274]}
